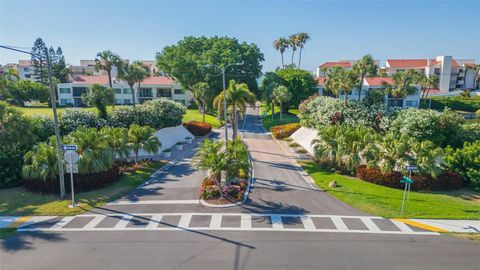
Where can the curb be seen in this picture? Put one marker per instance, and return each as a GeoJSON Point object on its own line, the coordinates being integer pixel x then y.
{"type": "Point", "coordinates": [420, 225]}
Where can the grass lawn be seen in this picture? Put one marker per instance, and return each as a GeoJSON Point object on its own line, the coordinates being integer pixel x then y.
{"type": "Point", "coordinates": [386, 202]}
{"type": "Point", "coordinates": [291, 117]}
{"type": "Point", "coordinates": [195, 115]}
{"type": "Point", "coordinates": [18, 201]}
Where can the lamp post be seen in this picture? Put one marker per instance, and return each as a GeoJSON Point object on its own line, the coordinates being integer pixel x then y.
{"type": "Point", "coordinates": [55, 115]}
{"type": "Point", "coordinates": [223, 68]}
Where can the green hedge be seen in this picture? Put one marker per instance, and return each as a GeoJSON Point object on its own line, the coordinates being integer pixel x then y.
{"type": "Point", "coordinates": [471, 104]}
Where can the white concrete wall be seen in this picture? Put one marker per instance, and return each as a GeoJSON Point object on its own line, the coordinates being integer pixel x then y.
{"type": "Point", "coordinates": [168, 137]}
{"type": "Point", "coordinates": [304, 137]}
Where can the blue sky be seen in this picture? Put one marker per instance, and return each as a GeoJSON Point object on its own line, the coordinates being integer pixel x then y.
{"type": "Point", "coordinates": [344, 29]}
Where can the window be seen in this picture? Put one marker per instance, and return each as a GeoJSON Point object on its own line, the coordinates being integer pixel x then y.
{"type": "Point", "coordinates": [64, 90]}
{"type": "Point", "coordinates": [79, 91]}
{"type": "Point", "coordinates": [127, 91]}
{"type": "Point", "coordinates": [164, 92]}
{"type": "Point", "coordinates": [28, 76]}
{"type": "Point", "coordinates": [66, 101]}
{"type": "Point", "coordinates": [411, 103]}
{"type": "Point", "coordinates": [118, 101]}
{"type": "Point", "coordinates": [181, 101]}
{"type": "Point", "coordinates": [127, 101]}
{"type": "Point", "coordinates": [179, 91]}
{"type": "Point", "coordinates": [117, 90]}
{"type": "Point", "coordinates": [145, 92]}
{"type": "Point", "coordinates": [26, 69]}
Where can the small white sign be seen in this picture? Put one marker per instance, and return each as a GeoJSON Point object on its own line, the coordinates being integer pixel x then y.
{"type": "Point", "coordinates": [70, 156]}
{"type": "Point", "coordinates": [410, 168]}
{"type": "Point", "coordinates": [72, 168]}
{"type": "Point", "coordinates": [70, 147]}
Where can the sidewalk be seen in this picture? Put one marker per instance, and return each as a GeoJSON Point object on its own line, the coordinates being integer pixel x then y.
{"type": "Point", "coordinates": [445, 225]}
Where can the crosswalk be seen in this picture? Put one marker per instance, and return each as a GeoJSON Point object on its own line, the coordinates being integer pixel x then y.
{"type": "Point", "coordinates": [225, 222]}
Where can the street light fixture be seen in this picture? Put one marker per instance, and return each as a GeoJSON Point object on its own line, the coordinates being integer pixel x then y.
{"type": "Point", "coordinates": [223, 68]}
{"type": "Point", "coordinates": [55, 115]}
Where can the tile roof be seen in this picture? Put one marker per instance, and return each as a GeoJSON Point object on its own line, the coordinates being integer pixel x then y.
{"type": "Point", "coordinates": [377, 81]}
{"type": "Point", "coordinates": [103, 79]}
{"type": "Point", "coordinates": [411, 63]}
{"type": "Point", "coordinates": [320, 80]}
{"type": "Point", "coordinates": [339, 64]}
{"type": "Point", "coordinates": [158, 80]}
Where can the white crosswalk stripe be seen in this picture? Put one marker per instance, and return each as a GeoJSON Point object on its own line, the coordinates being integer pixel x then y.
{"type": "Point", "coordinates": [304, 223]}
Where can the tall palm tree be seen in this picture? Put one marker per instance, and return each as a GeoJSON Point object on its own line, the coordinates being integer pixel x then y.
{"type": "Point", "coordinates": [200, 92]}
{"type": "Point", "coordinates": [332, 82]}
{"type": "Point", "coordinates": [293, 43]}
{"type": "Point", "coordinates": [106, 60]}
{"type": "Point", "coordinates": [302, 39]}
{"type": "Point", "coordinates": [141, 72]}
{"type": "Point", "coordinates": [364, 67]}
{"type": "Point", "coordinates": [141, 137]}
{"type": "Point", "coordinates": [346, 83]}
{"type": "Point", "coordinates": [402, 85]}
{"type": "Point", "coordinates": [238, 97]}
{"type": "Point", "coordinates": [131, 74]}
{"type": "Point", "coordinates": [428, 82]}
{"type": "Point", "coordinates": [281, 45]}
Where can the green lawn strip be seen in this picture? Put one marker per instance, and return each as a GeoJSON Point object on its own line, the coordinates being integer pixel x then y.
{"type": "Point", "coordinates": [6, 232]}
{"type": "Point", "coordinates": [469, 236]}
{"type": "Point", "coordinates": [386, 202]}
{"type": "Point", "coordinates": [291, 117]}
{"type": "Point", "coordinates": [195, 115]}
{"type": "Point", "coordinates": [20, 202]}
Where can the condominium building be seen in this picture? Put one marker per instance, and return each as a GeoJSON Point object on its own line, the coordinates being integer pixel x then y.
{"type": "Point", "coordinates": [70, 94]}
{"type": "Point", "coordinates": [87, 68]}
{"type": "Point", "coordinates": [24, 69]}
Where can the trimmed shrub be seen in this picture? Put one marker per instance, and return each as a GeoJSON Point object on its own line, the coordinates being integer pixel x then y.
{"type": "Point", "coordinates": [231, 191]}
{"type": "Point", "coordinates": [198, 128]}
{"type": "Point", "coordinates": [469, 104]}
{"type": "Point", "coordinates": [71, 119]}
{"type": "Point", "coordinates": [43, 126]}
{"type": "Point", "coordinates": [445, 181]}
{"type": "Point", "coordinates": [11, 162]}
{"type": "Point", "coordinates": [81, 182]}
{"type": "Point", "coordinates": [466, 162]}
{"type": "Point", "coordinates": [210, 192]}
{"type": "Point", "coordinates": [283, 131]}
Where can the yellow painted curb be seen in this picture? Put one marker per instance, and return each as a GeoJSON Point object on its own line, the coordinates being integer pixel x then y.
{"type": "Point", "coordinates": [420, 225]}
{"type": "Point", "coordinates": [19, 221]}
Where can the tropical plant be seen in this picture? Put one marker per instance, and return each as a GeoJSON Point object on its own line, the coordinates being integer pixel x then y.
{"type": "Point", "coordinates": [269, 82]}
{"type": "Point", "coordinates": [129, 74]}
{"type": "Point", "coordinates": [106, 60]}
{"type": "Point", "coordinates": [402, 85]}
{"type": "Point", "coordinates": [238, 97]}
{"type": "Point", "coordinates": [281, 45]}
{"type": "Point", "coordinates": [200, 92]}
{"type": "Point", "coordinates": [366, 66]}
{"type": "Point", "coordinates": [340, 80]}
{"type": "Point", "coordinates": [428, 83]}
{"type": "Point", "coordinates": [299, 82]}
{"type": "Point", "coordinates": [118, 141]}
{"type": "Point", "coordinates": [94, 150]}
{"type": "Point", "coordinates": [302, 38]}
{"type": "Point", "coordinates": [293, 43]}
{"type": "Point", "coordinates": [465, 161]}
{"type": "Point", "coordinates": [326, 145]}
{"type": "Point", "coordinates": [42, 161]}
{"type": "Point", "coordinates": [99, 96]}
{"type": "Point", "coordinates": [237, 158]}
{"type": "Point", "coordinates": [15, 129]}
{"type": "Point", "coordinates": [141, 72]}
{"type": "Point", "coordinates": [142, 137]}
{"type": "Point", "coordinates": [281, 95]}
{"type": "Point", "coordinates": [211, 157]}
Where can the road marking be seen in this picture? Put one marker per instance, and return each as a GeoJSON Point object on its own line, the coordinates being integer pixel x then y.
{"type": "Point", "coordinates": [62, 222]}
{"type": "Point", "coordinates": [140, 202]}
{"type": "Point", "coordinates": [421, 225]}
{"type": "Point", "coordinates": [216, 220]}
{"type": "Point", "coordinates": [19, 221]}
{"type": "Point", "coordinates": [339, 223]}
{"type": "Point", "coordinates": [370, 224]}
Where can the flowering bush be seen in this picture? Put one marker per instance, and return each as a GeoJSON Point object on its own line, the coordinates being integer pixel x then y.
{"type": "Point", "coordinates": [43, 126]}
{"type": "Point", "coordinates": [198, 128]}
{"type": "Point", "coordinates": [71, 119]}
{"type": "Point", "coordinates": [282, 131]}
{"type": "Point", "coordinates": [465, 161]}
{"type": "Point", "coordinates": [231, 190]}
{"type": "Point", "coordinates": [210, 192]}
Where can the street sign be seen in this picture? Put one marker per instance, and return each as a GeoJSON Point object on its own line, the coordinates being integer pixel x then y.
{"type": "Point", "coordinates": [70, 156]}
{"type": "Point", "coordinates": [69, 147]}
{"type": "Point", "coordinates": [406, 179]}
{"type": "Point", "coordinates": [72, 168]}
{"type": "Point", "coordinates": [411, 168]}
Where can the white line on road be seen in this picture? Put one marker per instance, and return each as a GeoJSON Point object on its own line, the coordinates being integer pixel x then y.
{"type": "Point", "coordinates": [154, 221]}
{"type": "Point", "coordinates": [339, 223]}
{"type": "Point", "coordinates": [370, 224]}
{"type": "Point", "coordinates": [62, 222]}
{"type": "Point", "coordinates": [140, 202]}
{"type": "Point", "coordinates": [216, 221]}
{"type": "Point", "coordinates": [94, 222]}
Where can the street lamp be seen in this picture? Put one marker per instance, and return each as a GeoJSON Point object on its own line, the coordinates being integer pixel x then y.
{"type": "Point", "coordinates": [55, 116]}
{"type": "Point", "coordinates": [223, 68]}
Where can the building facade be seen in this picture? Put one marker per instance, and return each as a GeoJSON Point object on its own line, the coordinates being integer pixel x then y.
{"type": "Point", "coordinates": [70, 94]}
{"type": "Point", "coordinates": [24, 69]}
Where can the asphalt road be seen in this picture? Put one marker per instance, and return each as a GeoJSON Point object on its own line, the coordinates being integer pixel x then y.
{"type": "Point", "coordinates": [167, 202]}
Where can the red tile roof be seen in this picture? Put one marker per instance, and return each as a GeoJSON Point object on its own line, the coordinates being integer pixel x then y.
{"type": "Point", "coordinates": [335, 64]}
{"type": "Point", "coordinates": [376, 81]}
{"type": "Point", "coordinates": [430, 91]}
{"type": "Point", "coordinates": [100, 79]}
{"type": "Point", "coordinates": [320, 80]}
{"type": "Point", "coordinates": [409, 63]}
{"type": "Point", "coordinates": [158, 80]}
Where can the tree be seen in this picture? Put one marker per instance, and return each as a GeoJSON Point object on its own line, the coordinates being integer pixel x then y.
{"type": "Point", "coordinates": [186, 60]}
{"type": "Point", "coordinates": [200, 92]}
{"type": "Point", "coordinates": [302, 39]}
{"type": "Point", "coordinates": [118, 141]}
{"type": "Point", "coordinates": [15, 129]}
{"type": "Point", "coordinates": [60, 70]}
{"type": "Point", "coordinates": [269, 82]}
{"type": "Point", "coordinates": [42, 161]}
{"type": "Point", "coordinates": [128, 73]}
{"type": "Point", "coordinates": [22, 91]}
{"type": "Point", "coordinates": [364, 67]}
{"type": "Point", "coordinates": [99, 96]}
{"type": "Point", "coordinates": [7, 78]}
{"type": "Point", "coordinates": [106, 60]}
{"type": "Point", "coordinates": [141, 72]}
{"type": "Point", "coordinates": [39, 62]}
{"type": "Point", "coordinates": [281, 95]}
{"type": "Point", "coordinates": [293, 42]}
{"type": "Point", "coordinates": [238, 97]}
{"type": "Point", "coordinates": [281, 45]}
{"type": "Point", "coordinates": [211, 157]}
{"type": "Point", "coordinates": [340, 80]}
{"type": "Point", "coordinates": [299, 82]}
{"type": "Point", "coordinates": [402, 85]}
{"type": "Point", "coordinates": [428, 82]}
{"type": "Point", "coordinates": [142, 137]}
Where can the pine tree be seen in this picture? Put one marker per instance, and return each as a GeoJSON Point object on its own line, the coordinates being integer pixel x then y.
{"type": "Point", "coordinates": [39, 62]}
{"type": "Point", "coordinates": [60, 72]}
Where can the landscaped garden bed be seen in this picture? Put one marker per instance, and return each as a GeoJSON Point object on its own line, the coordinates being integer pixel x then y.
{"type": "Point", "coordinates": [235, 164]}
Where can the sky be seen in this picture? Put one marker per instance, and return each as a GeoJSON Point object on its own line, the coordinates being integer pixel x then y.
{"type": "Point", "coordinates": [342, 29]}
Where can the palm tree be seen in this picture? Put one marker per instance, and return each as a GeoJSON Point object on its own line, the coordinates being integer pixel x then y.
{"type": "Point", "coordinates": [200, 92]}
{"type": "Point", "coordinates": [141, 72]}
{"type": "Point", "coordinates": [281, 45]}
{"type": "Point", "coordinates": [402, 85]}
{"type": "Point", "coordinates": [106, 60]}
{"type": "Point", "coordinates": [364, 67]}
{"type": "Point", "coordinates": [332, 83]}
{"type": "Point", "coordinates": [355, 145]}
{"type": "Point", "coordinates": [428, 82]}
{"type": "Point", "coordinates": [211, 157]}
{"type": "Point", "coordinates": [118, 141]}
{"type": "Point", "coordinates": [302, 39]}
{"type": "Point", "coordinates": [94, 150]}
{"type": "Point", "coordinates": [346, 83]}
{"type": "Point", "coordinates": [426, 156]}
{"type": "Point", "coordinates": [141, 137]}
{"type": "Point", "coordinates": [131, 74]}
{"type": "Point", "coordinates": [281, 94]}
{"type": "Point", "coordinates": [293, 43]}
{"type": "Point", "coordinates": [326, 146]}
{"type": "Point", "coordinates": [238, 97]}
{"type": "Point", "coordinates": [393, 152]}
{"type": "Point", "coordinates": [41, 162]}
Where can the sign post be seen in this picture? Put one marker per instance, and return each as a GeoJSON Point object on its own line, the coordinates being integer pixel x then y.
{"type": "Point", "coordinates": [71, 157]}
{"type": "Point", "coordinates": [407, 181]}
